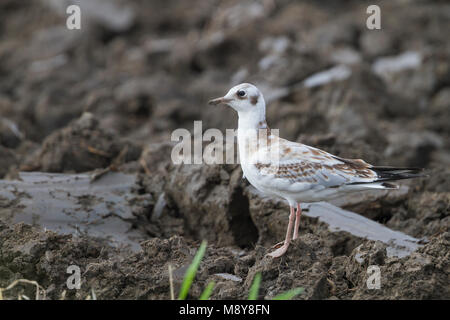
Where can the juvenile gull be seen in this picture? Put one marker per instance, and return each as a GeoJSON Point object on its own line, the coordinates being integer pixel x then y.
{"type": "Point", "coordinates": [297, 172]}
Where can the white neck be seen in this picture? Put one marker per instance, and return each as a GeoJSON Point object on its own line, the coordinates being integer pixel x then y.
{"type": "Point", "coordinates": [248, 125]}
{"type": "Point", "coordinates": [252, 119]}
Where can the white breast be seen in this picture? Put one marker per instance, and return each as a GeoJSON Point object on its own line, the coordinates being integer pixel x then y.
{"type": "Point", "coordinates": [248, 159]}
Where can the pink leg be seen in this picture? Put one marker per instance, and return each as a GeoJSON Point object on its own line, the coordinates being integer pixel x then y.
{"type": "Point", "coordinates": [298, 214]}
{"type": "Point", "coordinates": [282, 250]}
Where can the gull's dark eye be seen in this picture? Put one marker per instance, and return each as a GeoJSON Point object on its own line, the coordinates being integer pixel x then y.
{"type": "Point", "coordinates": [241, 93]}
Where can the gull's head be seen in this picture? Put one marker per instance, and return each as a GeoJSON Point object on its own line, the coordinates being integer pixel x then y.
{"type": "Point", "coordinates": [244, 98]}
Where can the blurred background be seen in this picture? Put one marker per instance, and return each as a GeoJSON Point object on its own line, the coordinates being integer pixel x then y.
{"type": "Point", "coordinates": [145, 68]}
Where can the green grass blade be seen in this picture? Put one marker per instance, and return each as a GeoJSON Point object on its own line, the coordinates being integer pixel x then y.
{"type": "Point", "coordinates": [254, 289]}
{"type": "Point", "coordinates": [288, 295]}
{"type": "Point", "coordinates": [191, 272]}
{"type": "Point", "coordinates": [208, 291]}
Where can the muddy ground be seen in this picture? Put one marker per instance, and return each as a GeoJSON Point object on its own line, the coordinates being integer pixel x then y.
{"type": "Point", "coordinates": [104, 100]}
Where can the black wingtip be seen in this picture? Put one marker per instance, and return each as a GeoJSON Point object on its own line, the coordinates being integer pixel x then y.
{"type": "Point", "coordinates": [398, 173]}
{"type": "Point", "coordinates": [391, 169]}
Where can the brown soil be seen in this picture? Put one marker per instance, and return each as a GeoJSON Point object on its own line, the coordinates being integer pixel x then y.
{"type": "Point", "coordinates": [107, 98]}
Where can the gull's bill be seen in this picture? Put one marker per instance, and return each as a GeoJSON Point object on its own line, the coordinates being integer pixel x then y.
{"type": "Point", "coordinates": [217, 101]}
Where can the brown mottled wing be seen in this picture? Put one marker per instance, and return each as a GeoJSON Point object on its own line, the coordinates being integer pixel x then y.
{"type": "Point", "coordinates": [304, 164]}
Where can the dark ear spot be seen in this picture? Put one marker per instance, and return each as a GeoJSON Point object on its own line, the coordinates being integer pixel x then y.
{"type": "Point", "coordinates": [254, 100]}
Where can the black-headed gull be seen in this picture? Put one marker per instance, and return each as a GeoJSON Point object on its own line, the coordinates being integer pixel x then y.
{"type": "Point", "coordinates": [297, 172]}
